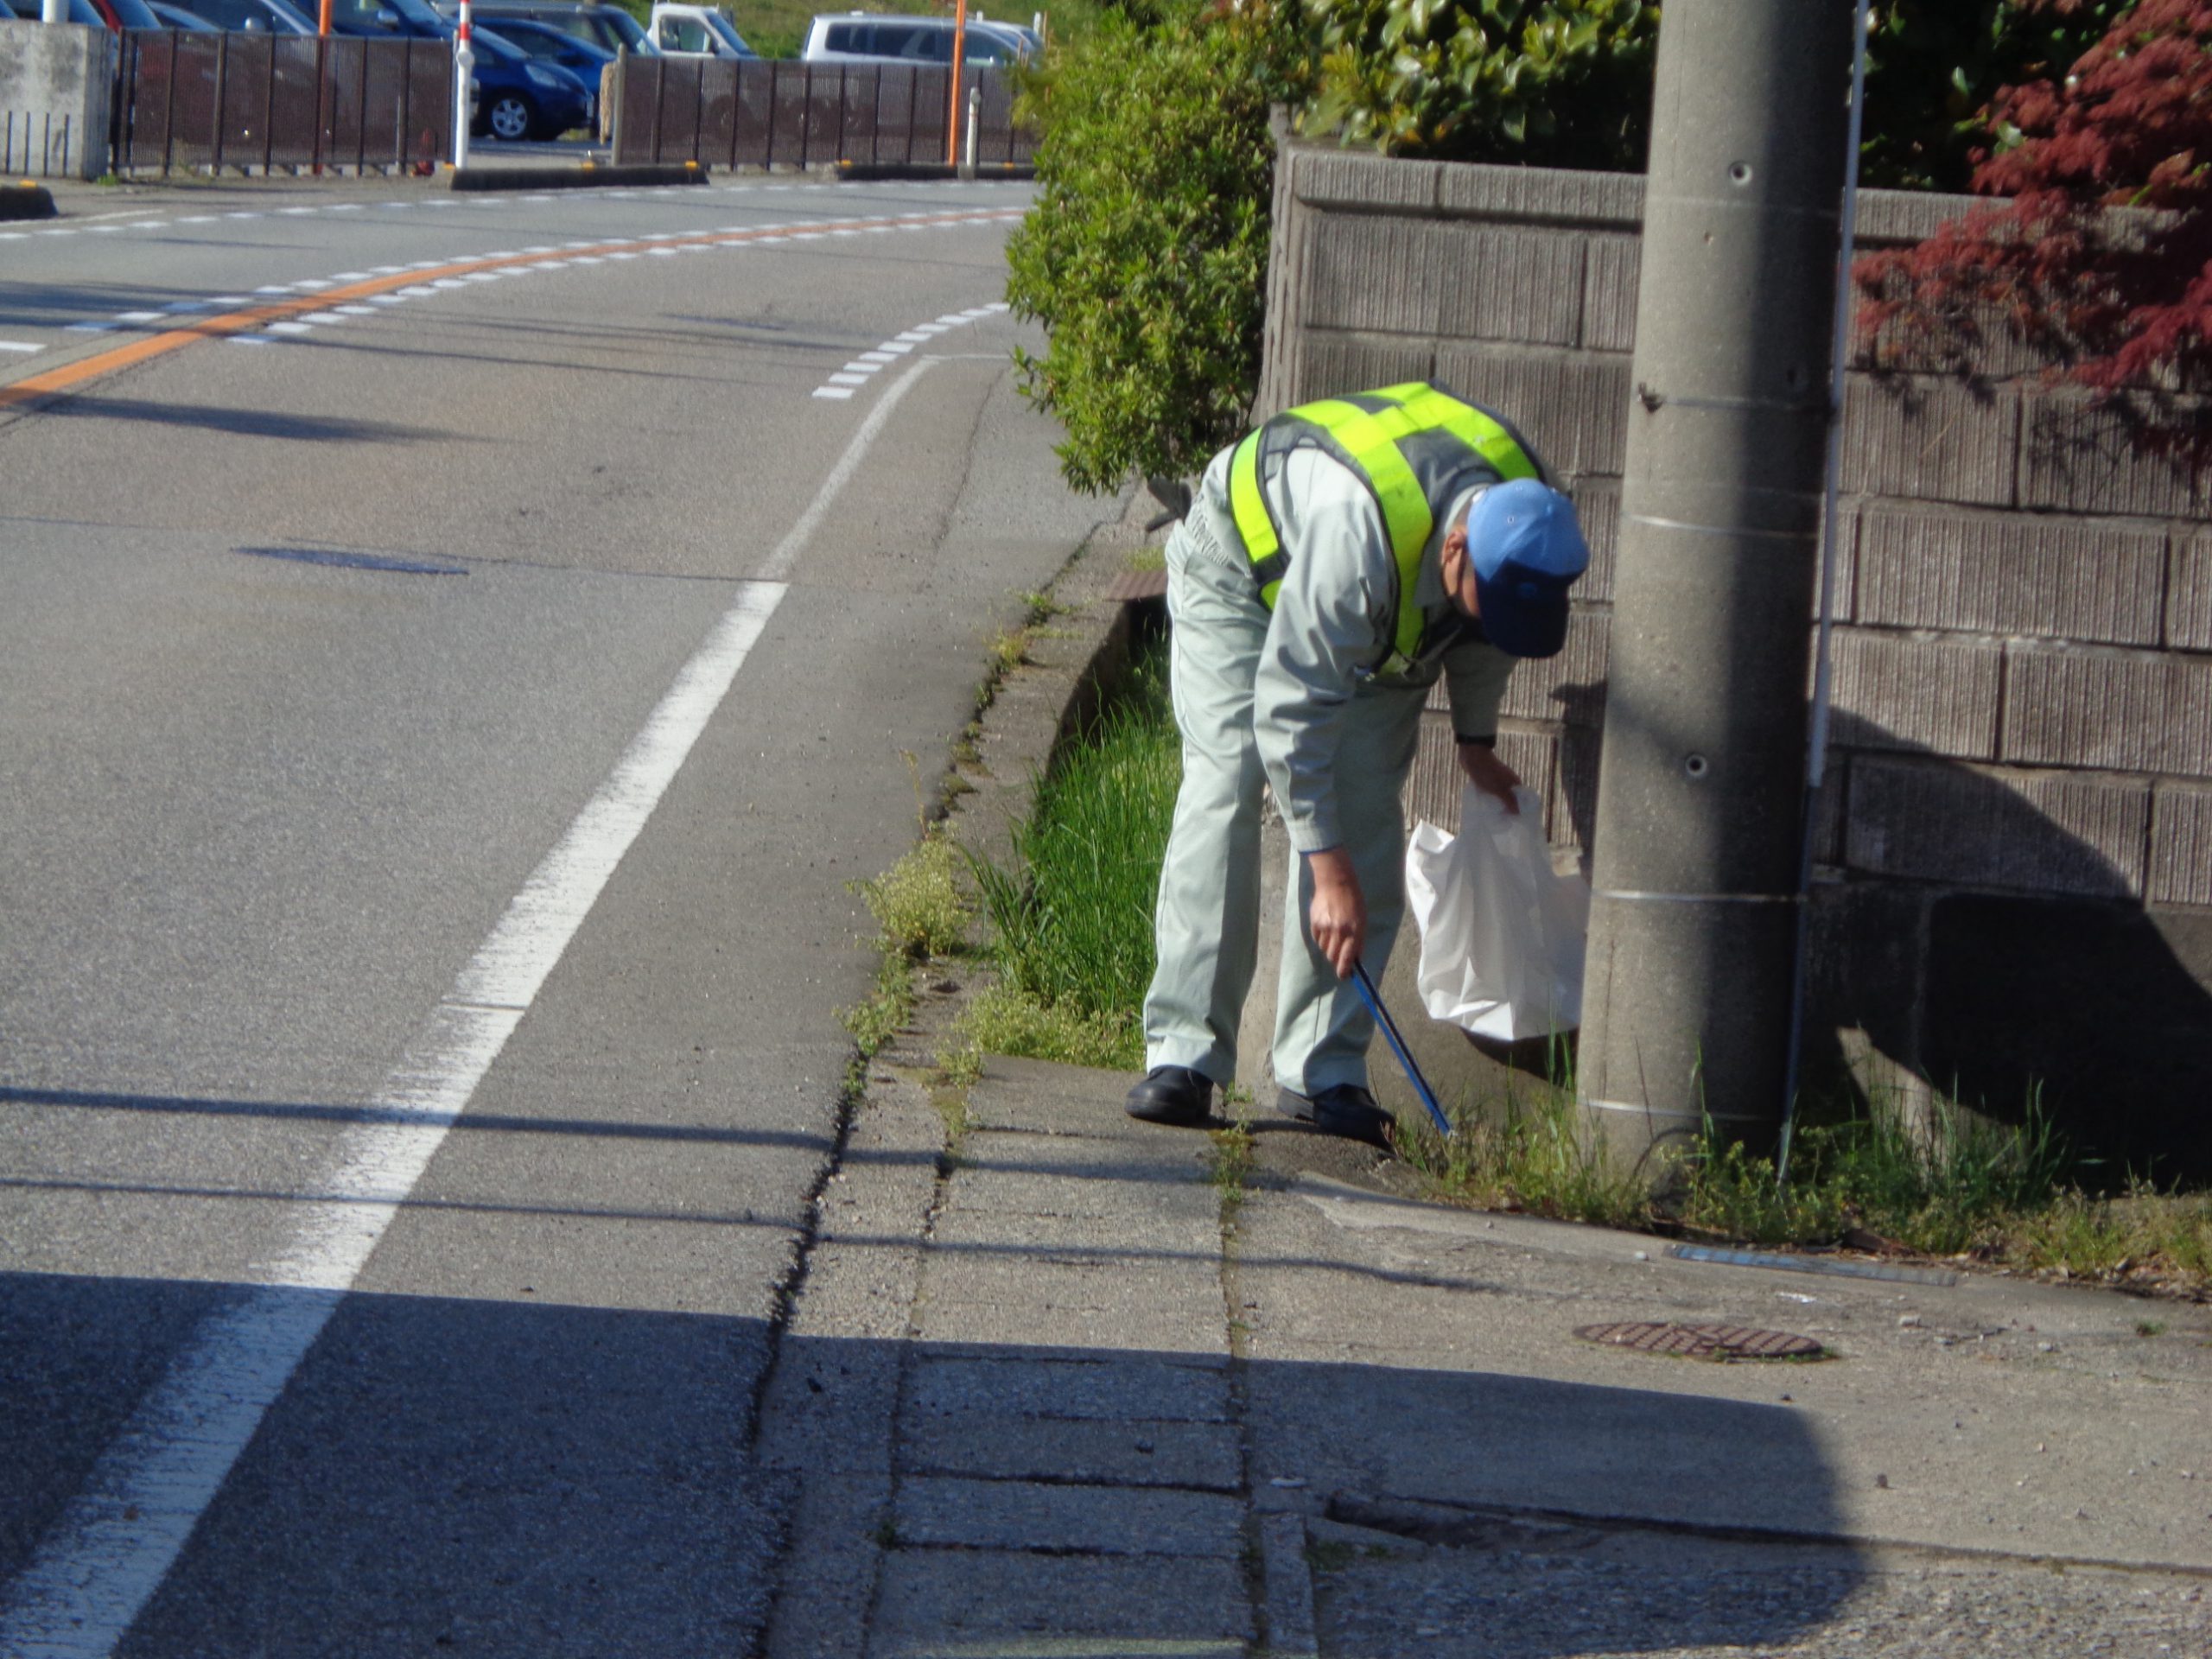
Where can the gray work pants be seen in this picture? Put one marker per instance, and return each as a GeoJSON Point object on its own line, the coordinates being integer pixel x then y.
{"type": "Point", "coordinates": [1208, 917]}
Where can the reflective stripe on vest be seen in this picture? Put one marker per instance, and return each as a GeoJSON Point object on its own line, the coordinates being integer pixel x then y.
{"type": "Point", "coordinates": [1369, 440]}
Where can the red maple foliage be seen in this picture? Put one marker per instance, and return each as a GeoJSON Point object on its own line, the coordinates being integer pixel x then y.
{"type": "Point", "coordinates": [2120, 302]}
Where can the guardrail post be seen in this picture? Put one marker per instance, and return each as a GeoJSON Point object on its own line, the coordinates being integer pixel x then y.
{"type": "Point", "coordinates": [269, 114]}
{"type": "Point", "coordinates": [222, 99]}
{"type": "Point", "coordinates": [806, 116]}
{"type": "Point", "coordinates": [361, 117]}
{"type": "Point", "coordinates": [768, 147]}
{"type": "Point", "coordinates": [323, 101]}
{"type": "Point", "coordinates": [464, 68]}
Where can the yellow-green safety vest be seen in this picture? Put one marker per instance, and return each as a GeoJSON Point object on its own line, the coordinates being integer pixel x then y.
{"type": "Point", "coordinates": [1414, 448]}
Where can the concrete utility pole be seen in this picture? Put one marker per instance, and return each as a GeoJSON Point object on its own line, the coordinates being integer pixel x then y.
{"type": "Point", "coordinates": [1686, 1005]}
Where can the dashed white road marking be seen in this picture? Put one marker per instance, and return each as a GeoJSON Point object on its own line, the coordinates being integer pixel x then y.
{"type": "Point", "coordinates": [526, 261]}
{"type": "Point", "coordinates": [865, 364]}
{"type": "Point", "coordinates": [20, 347]}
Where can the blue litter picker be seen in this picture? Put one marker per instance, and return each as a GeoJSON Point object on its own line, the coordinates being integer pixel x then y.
{"type": "Point", "coordinates": [1374, 999]}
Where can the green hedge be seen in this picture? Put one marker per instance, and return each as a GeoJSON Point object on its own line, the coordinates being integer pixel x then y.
{"type": "Point", "coordinates": [1146, 254]}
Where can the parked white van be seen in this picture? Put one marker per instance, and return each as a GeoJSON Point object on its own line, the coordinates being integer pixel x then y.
{"type": "Point", "coordinates": [691, 31]}
{"type": "Point", "coordinates": [896, 37]}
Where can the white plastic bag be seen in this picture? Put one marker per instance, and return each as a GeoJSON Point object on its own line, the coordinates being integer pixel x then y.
{"type": "Point", "coordinates": [1501, 934]}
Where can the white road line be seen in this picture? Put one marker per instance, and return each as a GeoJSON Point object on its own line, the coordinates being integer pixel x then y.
{"type": "Point", "coordinates": [778, 564]}
{"type": "Point", "coordinates": [833, 391]}
{"type": "Point", "coordinates": [137, 316]}
{"type": "Point", "coordinates": [841, 379]}
{"type": "Point", "coordinates": [23, 347]}
{"type": "Point", "coordinates": [103, 1559]}
{"type": "Point", "coordinates": [293, 328]}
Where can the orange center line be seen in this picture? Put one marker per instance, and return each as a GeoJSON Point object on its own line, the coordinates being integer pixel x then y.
{"type": "Point", "coordinates": [37, 388]}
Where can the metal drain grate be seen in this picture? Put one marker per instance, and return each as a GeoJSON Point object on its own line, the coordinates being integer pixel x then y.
{"type": "Point", "coordinates": [1703, 1341]}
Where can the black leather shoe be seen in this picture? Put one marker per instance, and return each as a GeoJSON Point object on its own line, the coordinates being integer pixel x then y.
{"type": "Point", "coordinates": [1173, 1093]}
{"type": "Point", "coordinates": [1343, 1109]}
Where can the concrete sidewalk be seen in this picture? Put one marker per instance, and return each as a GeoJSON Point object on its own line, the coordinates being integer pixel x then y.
{"type": "Point", "coordinates": [1073, 1390]}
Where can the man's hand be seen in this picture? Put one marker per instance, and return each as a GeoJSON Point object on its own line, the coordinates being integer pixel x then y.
{"type": "Point", "coordinates": [1489, 774]}
{"type": "Point", "coordinates": [1336, 917]}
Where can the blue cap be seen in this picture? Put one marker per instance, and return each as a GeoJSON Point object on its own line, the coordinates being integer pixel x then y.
{"type": "Point", "coordinates": [1526, 550]}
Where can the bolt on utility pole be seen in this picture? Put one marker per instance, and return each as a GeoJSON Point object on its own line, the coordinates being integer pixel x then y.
{"type": "Point", "coordinates": [1693, 926]}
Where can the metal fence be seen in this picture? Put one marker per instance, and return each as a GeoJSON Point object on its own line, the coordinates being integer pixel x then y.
{"type": "Point", "coordinates": [198, 102]}
{"type": "Point", "coordinates": [40, 144]}
{"type": "Point", "coordinates": [720, 113]}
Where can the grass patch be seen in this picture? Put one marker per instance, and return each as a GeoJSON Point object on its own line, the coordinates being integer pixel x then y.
{"type": "Point", "coordinates": [1071, 921]}
{"type": "Point", "coordinates": [919, 904]}
{"type": "Point", "coordinates": [1004, 1021]}
{"type": "Point", "coordinates": [1941, 1187]}
{"type": "Point", "coordinates": [920, 911]}
{"type": "Point", "coordinates": [1953, 1184]}
{"type": "Point", "coordinates": [1231, 1164]}
{"type": "Point", "coordinates": [1533, 1154]}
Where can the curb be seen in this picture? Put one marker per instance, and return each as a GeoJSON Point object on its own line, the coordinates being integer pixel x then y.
{"type": "Point", "coordinates": [587, 176]}
{"type": "Point", "coordinates": [935, 172]}
{"type": "Point", "coordinates": [26, 200]}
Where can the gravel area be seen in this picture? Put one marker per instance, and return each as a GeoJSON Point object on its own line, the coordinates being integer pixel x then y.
{"type": "Point", "coordinates": [1379, 1601]}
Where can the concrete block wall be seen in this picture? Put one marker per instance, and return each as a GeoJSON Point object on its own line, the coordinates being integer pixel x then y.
{"type": "Point", "coordinates": [2023, 654]}
{"type": "Point", "coordinates": [56, 87]}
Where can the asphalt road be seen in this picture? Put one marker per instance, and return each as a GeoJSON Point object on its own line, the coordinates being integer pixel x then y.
{"type": "Point", "coordinates": [364, 758]}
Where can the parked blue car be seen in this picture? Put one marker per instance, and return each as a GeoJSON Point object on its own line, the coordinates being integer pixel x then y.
{"type": "Point", "coordinates": [516, 97]}
{"type": "Point", "coordinates": [546, 44]}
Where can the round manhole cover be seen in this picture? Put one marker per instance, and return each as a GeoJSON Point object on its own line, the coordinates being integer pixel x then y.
{"type": "Point", "coordinates": [1703, 1341]}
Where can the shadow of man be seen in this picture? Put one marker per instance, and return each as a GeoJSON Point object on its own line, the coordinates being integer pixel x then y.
{"type": "Point", "coordinates": [1985, 951]}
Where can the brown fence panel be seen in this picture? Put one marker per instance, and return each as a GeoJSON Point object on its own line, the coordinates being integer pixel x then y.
{"type": "Point", "coordinates": [143, 107]}
{"type": "Point", "coordinates": [863, 99]}
{"type": "Point", "coordinates": [350, 130]}
{"type": "Point", "coordinates": [894, 115]}
{"type": "Point", "coordinates": [825, 114]}
{"type": "Point", "coordinates": [295, 102]}
{"type": "Point", "coordinates": [997, 138]}
{"type": "Point", "coordinates": [678, 126]}
{"type": "Point", "coordinates": [427, 109]}
{"type": "Point", "coordinates": [769, 114]}
{"type": "Point", "coordinates": [786, 114]}
{"type": "Point", "coordinates": [932, 106]}
{"type": "Point", "coordinates": [748, 145]}
{"type": "Point", "coordinates": [242, 120]}
{"type": "Point", "coordinates": [197, 101]}
{"type": "Point", "coordinates": [717, 111]}
{"type": "Point", "coordinates": [191, 95]}
{"type": "Point", "coordinates": [384, 103]}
